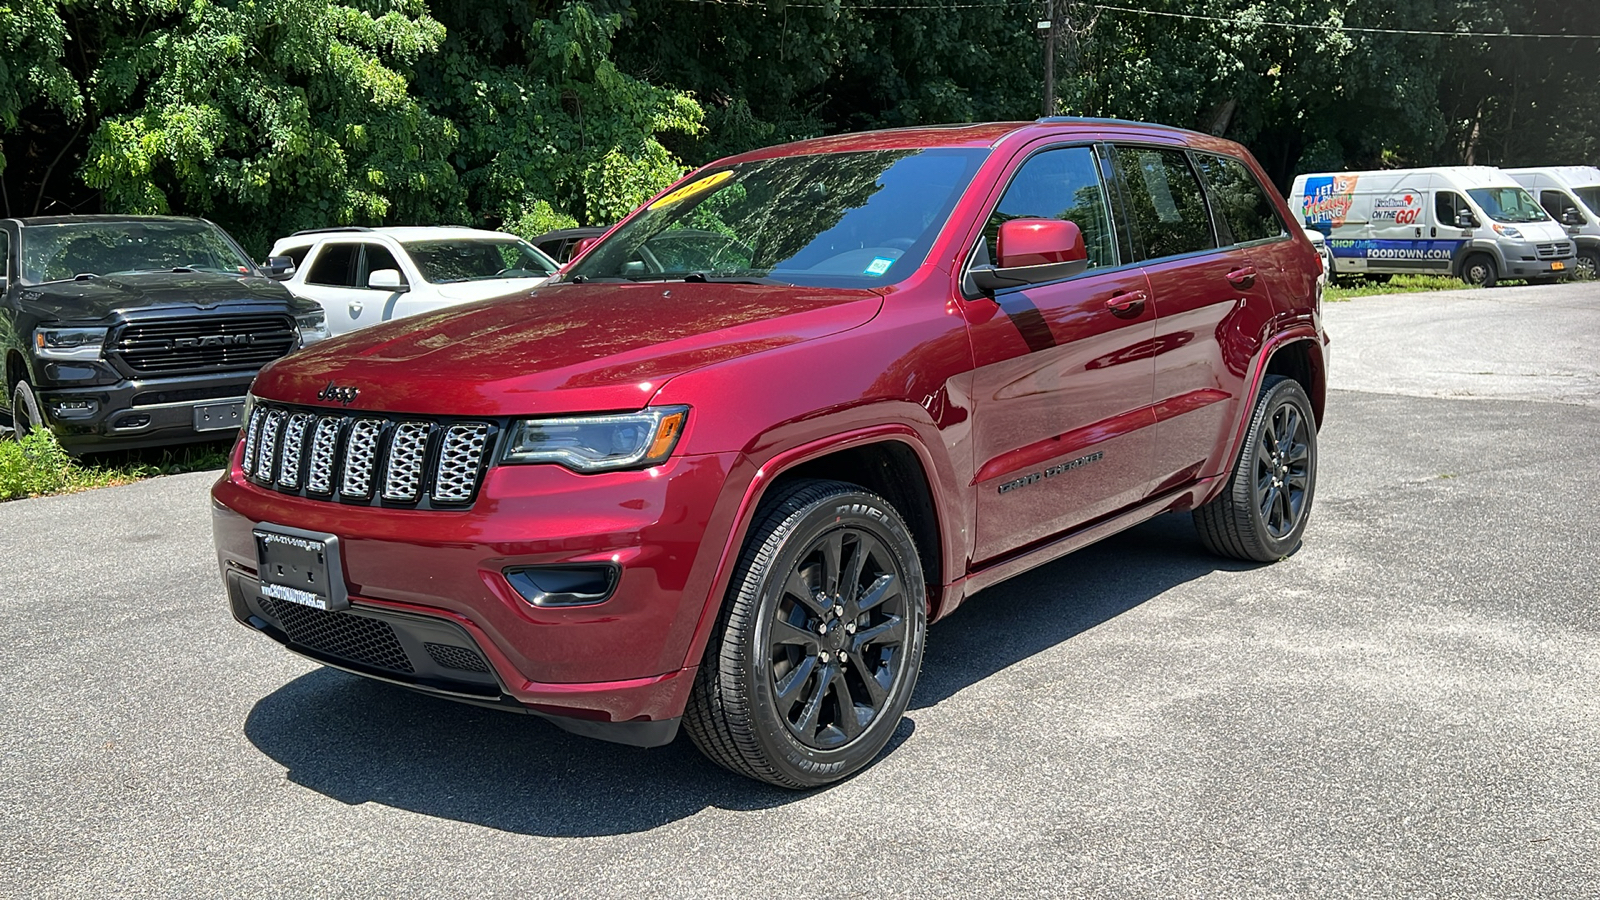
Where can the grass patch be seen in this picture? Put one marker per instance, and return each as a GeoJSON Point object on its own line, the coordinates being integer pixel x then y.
{"type": "Point", "coordinates": [1399, 284]}
{"type": "Point", "coordinates": [37, 465]}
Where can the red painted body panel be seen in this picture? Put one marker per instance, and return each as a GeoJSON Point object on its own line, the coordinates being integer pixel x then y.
{"type": "Point", "coordinates": [984, 391]}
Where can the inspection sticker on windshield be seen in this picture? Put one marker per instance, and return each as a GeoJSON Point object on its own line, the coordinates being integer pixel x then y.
{"type": "Point", "coordinates": [880, 265]}
{"type": "Point", "coordinates": [692, 188]}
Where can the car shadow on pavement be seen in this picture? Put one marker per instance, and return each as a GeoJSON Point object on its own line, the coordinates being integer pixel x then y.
{"type": "Point", "coordinates": [359, 741]}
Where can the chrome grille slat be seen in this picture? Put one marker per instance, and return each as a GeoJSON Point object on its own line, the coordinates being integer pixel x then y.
{"type": "Point", "coordinates": [408, 450]}
{"type": "Point", "coordinates": [360, 458]}
{"type": "Point", "coordinates": [268, 458]}
{"type": "Point", "coordinates": [294, 442]}
{"type": "Point", "coordinates": [319, 477]}
{"type": "Point", "coordinates": [460, 461]}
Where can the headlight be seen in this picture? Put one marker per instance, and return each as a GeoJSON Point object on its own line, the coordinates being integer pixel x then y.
{"type": "Point", "coordinates": [313, 327]}
{"type": "Point", "coordinates": [1507, 231]}
{"type": "Point", "coordinates": [69, 343]}
{"type": "Point", "coordinates": [599, 443]}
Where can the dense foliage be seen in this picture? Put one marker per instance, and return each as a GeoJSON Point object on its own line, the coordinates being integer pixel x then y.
{"type": "Point", "coordinates": [271, 115]}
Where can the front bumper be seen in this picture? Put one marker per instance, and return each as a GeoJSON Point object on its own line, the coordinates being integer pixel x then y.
{"type": "Point", "coordinates": [139, 413]}
{"type": "Point", "coordinates": [438, 577]}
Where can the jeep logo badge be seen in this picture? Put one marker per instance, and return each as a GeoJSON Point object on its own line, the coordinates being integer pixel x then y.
{"type": "Point", "coordinates": [340, 394]}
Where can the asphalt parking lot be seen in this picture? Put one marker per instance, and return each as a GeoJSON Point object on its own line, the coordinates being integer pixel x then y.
{"type": "Point", "coordinates": [1406, 707]}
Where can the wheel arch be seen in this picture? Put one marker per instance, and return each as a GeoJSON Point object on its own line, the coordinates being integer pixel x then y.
{"type": "Point", "coordinates": [1300, 359]}
{"type": "Point", "coordinates": [16, 370]}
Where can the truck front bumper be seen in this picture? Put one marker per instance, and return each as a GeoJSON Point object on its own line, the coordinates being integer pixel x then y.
{"type": "Point", "coordinates": [144, 412]}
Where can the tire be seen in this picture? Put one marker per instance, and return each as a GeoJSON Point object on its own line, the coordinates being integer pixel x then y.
{"type": "Point", "coordinates": [1378, 277]}
{"type": "Point", "coordinates": [1255, 518]}
{"type": "Point", "coordinates": [1586, 265]}
{"type": "Point", "coordinates": [769, 701]}
{"type": "Point", "coordinates": [1479, 270]}
{"type": "Point", "coordinates": [25, 414]}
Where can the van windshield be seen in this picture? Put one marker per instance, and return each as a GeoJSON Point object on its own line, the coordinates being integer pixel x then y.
{"type": "Point", "coordinates": [847, 219]}
{"type": "Point", "coordinates": [1509, 204]}
{"type": "Point", "coordinates": [1590, 197]}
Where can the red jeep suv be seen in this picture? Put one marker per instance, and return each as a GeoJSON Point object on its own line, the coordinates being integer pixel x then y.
{"type": "Point", "coordinates": [725, 469]}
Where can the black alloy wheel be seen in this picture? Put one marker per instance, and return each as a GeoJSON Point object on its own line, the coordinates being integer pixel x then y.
{"type": "Point", "coordinates": [1479, 270]}
{"type": "Point", "coordinates": [25, 414]}
{"type": "Point", "coordinates": [819, 641]}
{"type": "Point", "coordinates": [1263, 512]}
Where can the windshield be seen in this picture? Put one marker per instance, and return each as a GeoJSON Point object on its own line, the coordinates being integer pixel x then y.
{"type": "Point", "coordinates": [477, 259]}
{"type": "Point", "coordinates": [1590, 197]}
{"type": "Point", "coordinates": [859, 219]}
{"type": "Point", "coordinates": [1509, 204]}
{"type": "Point", "coordinates": [66, 251]}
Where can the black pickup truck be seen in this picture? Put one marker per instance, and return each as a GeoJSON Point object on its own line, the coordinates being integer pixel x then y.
{"type": "Point", "coordinates": [134, 331]}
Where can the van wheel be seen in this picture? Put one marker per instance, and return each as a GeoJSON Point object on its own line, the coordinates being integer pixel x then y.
{"type": "Point", "coordinates": [819, 642]}
{"type": "Point", "coordinates": [25, 414]}
{"type": "Point", "coordinates": [1478, 270]}
{"type": "Point", "coordinates": [1378, 277]}
{"type": "Point", "coordinates": [1263, 512]}
{"type": "Point", "coordinates": [1587, 264]}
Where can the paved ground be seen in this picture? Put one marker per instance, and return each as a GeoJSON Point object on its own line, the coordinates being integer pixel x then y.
{"type": "Point", "coordinates": [1408, 706]}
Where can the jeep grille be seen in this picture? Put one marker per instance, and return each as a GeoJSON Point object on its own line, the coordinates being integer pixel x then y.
{"type": "Point", "coordinates": [203, 343]}
{"type": "Point", "coordinates": [367, 458]}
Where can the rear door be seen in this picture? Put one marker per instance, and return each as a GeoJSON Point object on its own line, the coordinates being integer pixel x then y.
{"type": "Point", "coordinates": [1062, 389]}
{"type": "Point", "coordinates": [1200, 283]}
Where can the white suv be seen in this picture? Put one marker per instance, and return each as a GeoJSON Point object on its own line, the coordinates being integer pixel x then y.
{"type": "Point", "coordinates": [362, 276]}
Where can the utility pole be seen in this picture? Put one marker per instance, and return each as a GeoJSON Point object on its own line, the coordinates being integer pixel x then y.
{"type": "Point", "coordinates": [1048, 26]}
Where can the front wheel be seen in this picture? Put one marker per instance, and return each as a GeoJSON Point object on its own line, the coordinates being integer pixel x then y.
{"type": "Point", "coordinates": [25, 414]}
{"type": "Point", "coordinates": [1479, 270]}
{"type": "Point", "coordinates": [1586, 265]}
{"type": "Point", "coordinates": [819, 642]}
{"type": "Point", "coordinates": [1263, 513]}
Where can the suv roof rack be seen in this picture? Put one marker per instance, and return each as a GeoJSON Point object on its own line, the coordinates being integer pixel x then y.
{"type": "Point", "coordinates": [331, 230]}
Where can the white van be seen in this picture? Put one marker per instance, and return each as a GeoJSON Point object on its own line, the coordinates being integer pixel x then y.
{"type": "Point", "coordinates": [1576, 188]}
{"type": "Point", "coordinates": [1473, 222]}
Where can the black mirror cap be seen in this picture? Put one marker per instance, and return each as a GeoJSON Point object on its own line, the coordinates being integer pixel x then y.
{"type": "Point", "coordinates": [1465, 219]}
{"type": "Point", "coordinates": [279, 267]}
{"type": "Point", "coordinates": [1571, 216]}
{"type": "Point", "coordinates": [993, 278]}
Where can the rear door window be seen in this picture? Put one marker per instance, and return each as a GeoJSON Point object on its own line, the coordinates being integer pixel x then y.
{"type": "Point", "coordinates": [334, 266]}
{"type": "Point", "coordinates": [1060, 184]}
{"type": "Point", "coordinates": [1166, 206]}
{"type": "Point", "coordinates": [1246, 211]}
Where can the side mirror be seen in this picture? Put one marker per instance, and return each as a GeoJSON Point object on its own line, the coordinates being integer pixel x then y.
{"type": "Point", "coordinates": [1571, 216]}
{"type": "Point", "coordinates": [582, 247]}
{"type": "Point", "coordinates": [1465, 219]}
{"type": "Point", "coordinates": [387, 280]}
{"type": "Point", "coordinates": [1033, 251]}
{"type": "Point", "coordinates": [279, 267]}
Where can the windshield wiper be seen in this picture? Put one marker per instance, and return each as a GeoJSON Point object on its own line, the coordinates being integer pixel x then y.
{"type": "Point", "coordinates": [707, 278]}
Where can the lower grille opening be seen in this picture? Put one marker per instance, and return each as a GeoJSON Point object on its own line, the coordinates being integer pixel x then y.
{"type": "Point", "coordinates": [359, 639]}
{"type": "Point", "coordinates": [459, 658]}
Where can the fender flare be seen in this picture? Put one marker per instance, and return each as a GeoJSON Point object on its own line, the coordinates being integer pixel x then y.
{"type": "Point", "coordinates": [769, 472]}
{"type": "Point", "coordinates": [1300, 332]}
{"type": "Point", "coordinates": [1468, 248]}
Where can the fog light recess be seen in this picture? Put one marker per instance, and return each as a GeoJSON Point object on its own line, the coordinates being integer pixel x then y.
{"type": "Point", "coordinates": [576, 585]}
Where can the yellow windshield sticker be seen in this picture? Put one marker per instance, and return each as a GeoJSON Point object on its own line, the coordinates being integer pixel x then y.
{"type": "Point", "coordinates": [692, 188]}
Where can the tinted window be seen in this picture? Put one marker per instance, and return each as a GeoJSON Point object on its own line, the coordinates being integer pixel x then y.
{"type": "Point", "coordinates": [1165, 205]}
{"type": "Point", "coordinates": [378, 257]}
{"type": "Point", "coordinates": [298, 254]}
{"type": "Point", "coordinates": [1447, 205]}
{"type": "Point", "coordinates": [1245, 208]}
{"type": "Point", "coordinates": [334, 266]}
{"type": "Point", "coordinates": [1555, 203]}
{"type": "Point", "coordinates": [1060, 184]}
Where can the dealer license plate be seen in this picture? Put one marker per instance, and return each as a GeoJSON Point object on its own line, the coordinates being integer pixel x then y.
{"type": "Point", "coordinates": [1557, 266]}
{"type": "Point", "coordinates": [300, 567]}
{"type": "Point", "coordinates": [219, 416]}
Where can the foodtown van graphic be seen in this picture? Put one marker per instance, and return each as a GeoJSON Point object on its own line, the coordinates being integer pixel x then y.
{"type": "Point", "coordinates": [1328, 199]}
{"type": "Point", "coordinates": [1401, 208]}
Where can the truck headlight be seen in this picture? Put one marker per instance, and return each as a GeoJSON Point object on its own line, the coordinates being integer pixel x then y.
{"type": "Point", "coordinates": [599, 443]}
{"type": "Point", "coordinates": [1507, 231]}
{"type": "Point", "coordinates": [313, 327]}
{"type": "Point", "coordinates": [69, 343]}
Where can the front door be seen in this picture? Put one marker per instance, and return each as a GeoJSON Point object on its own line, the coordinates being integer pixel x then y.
{"type": "Point", "coordinates": [1062, 388]}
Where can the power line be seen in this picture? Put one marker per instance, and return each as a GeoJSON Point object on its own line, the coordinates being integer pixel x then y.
{"type": "Point", "coordinates": [1303, 26]}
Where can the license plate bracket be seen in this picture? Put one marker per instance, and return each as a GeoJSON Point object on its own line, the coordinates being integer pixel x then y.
{"type": "Point", "coordinates": [301, 567]}
{"type": "Point", "coordinates": [1558, 266]}
{"type": "Point", "coordinates": [219, 416]}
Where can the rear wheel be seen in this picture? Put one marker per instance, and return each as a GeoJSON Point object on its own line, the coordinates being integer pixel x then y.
{"type": "Point", "coordinates": [1479, 270]}
{"type": "Point", "coordinates": [25, 414]}
{"type": "Point", "coordinates": [1263, 513]}
{"type": "Point", "coordinates": [819, 642]}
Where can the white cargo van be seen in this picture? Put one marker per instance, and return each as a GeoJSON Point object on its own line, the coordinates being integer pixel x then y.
{"type": "Point", "coordinates": [1570, 194]}
{"type": "Point", "coordinates": [1472, 222]}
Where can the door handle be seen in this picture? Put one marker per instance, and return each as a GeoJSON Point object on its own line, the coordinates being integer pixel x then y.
{"type": "Point", "coordinates": [1127, 304]}
{"type": "Point", "coordinates": [1244, 277]}
{"type": "Point", "coordinates": [355, 308]}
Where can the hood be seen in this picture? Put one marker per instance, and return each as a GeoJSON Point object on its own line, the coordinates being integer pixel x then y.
{"type": "Point", "coordinates": [96, 299]}
{"type": "Point", "coordinates": [1543, 232]}
{"type": "Point", "coordinates": [465, 291]}
{"type": "Point", "coordinates": [561, 348]}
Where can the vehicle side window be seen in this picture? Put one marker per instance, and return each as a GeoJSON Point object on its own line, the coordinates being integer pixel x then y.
{"type": "Point", "coordinates": [1165, 203]}
{"type": "Point", "coordinates": [375, 257]}
{"type": "Point", "coordinates": [334, 266]}
{"type": "Point", "coordinates": [1555, 203]}
{"type": "Point", "coordinates": [1060, 184]}
{"type": "Point", "coordinates": [1245, 208]}
{"type": "Point", "coordinates": [1446, 205]}
{"type": "Point", "coordinates": [298, 254]}
{"type": "Point", "coordinates": [5, 259]}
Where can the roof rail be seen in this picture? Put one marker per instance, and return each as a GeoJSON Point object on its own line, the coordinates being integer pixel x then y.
{"type": "Point", "coordinates": [331, 230]}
